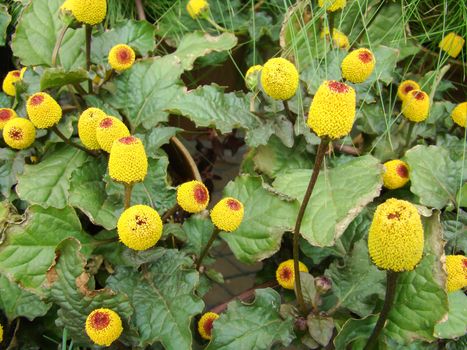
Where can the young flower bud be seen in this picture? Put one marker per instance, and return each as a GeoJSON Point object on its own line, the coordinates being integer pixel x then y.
{"type": "Point", "coordinates": [332, 5]}
{"type": "Point", "coordinates": [251, 77]}
{"type": "Point", "coordinates": [205, 324]}
{"type": "Point", "coordinates": [121, 57]}
{"type": "Point", "coordinates": [396, 174]}
{"type": "Point", "coordinates": [405, 87]}
{"type": "Point", "coordinates": [196, 8]}
{"type": "Point", "coordinates": [193, 196]}
{"type": "Point", "coordinates": [9, 81]}
{"type": "Point", "coordinates": [6, 114]}
{"type": "Point", "coordinates": [19, 133]}
{"type": "Point", "coordinates": [87, 125]}
{"type": "Point", "coordinates": [43, 110]}
{"type": "Point", "coordinates": [459, 114]}
{"type": "Point", "coordinates": [279, 78]}
{"type": "Point", "coordinates": [103, 326]}
{"type": "Point", "coordinates": [452, 44]}
{"type": "Point", "coordinates": [416, 106]}
{"type": "Point", "coordinates": [339, 39]}
{"type": "Point", "coordinates": [456, 267]}
{"type": "Point", "coordinates": [227, 214]}
{"type": "Point", "coordinates": [358, 65]}
{"type": "Point", "coordinates": [285, 273]}
{"type": "Point", "coordinates": [323, 284]}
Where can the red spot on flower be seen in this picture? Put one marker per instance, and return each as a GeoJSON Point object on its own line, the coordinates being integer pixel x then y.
{"type": "Point", "coordinates": [464, 261]}
{"type": "Point", "coordinates": [365, 56]}
{"type": "Point", "coordinates": [16, 134]}
{"type": "Point", "coordinates": [128, 140]}
{"type": "Point", "coordinates": [36, 100]}
{"type": "Point", "coordinates": [337, 86]}
{"type": "Point", "coordinates": [106, 123]}
{"type": "Point", "coordinates": [234, 204]}
{"type": "Point", "coordinates": [123, 56]}
{"type": "Point", "coordinates": [418, 95]}
{"type": "Point", "coordinates": [200, 194]}
{"type": "Point", "coordinates": [395, 215]}
{"type": "Point", "coordinates": [100, 320]}
{"type": "Point", "coordinates": [402, 171]}
{"type": "Point", "coordinates": [286, 273]}
{"type": "Point", "coordinates": [208, 326]}
{"type": "Point", "coordinates": [408, 88]}
{"type": "Point", "coordinates": [5, 114]}
{"type": "Point", "coordinates": [140, 221]}
{"type": "Point", "coordinates": [16, 74]}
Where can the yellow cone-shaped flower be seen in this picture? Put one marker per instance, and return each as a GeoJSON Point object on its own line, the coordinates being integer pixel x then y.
{"type": "Point", "coordinates": [206, 323]}
{"type": "Point", "coordinates": [139, 227]}
{"type": "Point", "coordinates": [128, 162]}
{"type": "Point", "coordinates": [193, 196]}
{"type": "Point", "coordinates": [108, 130]}
{"type": "Point", "coordinates": [452, 44]}
{"type": "Point", "coordinates": [67, 5]}
{"type": "Point", "coordinates": [285, 273]}
{"type": "Point", "coordinates": [227, 214]}
{"type": "Point", "coordinates": [87, 125]}
{"type": "Point", "coordinates": [8, 85]}
{"type": "Point", "coordinates": [405, 87]}
{"type": "Point", "coordinates": [251, 77]}
{"type": "Point", "coordinates": [416, 106]}
{"type": "Point", "coordinates": [19, 133]}
{"type": "Point", "coordinates": [43, 110]}
{"type": "Point", "coordinates": [339, 39]}
{"type": "Point", "coordinates": [279, 78]}
{"type": "Point", "coordinates": [121, 57]}
{"type": "Point", "coordinates": [456, 267]}
{"type": "Point", "coordinates": [6, 114]}
{"type": "Point", "coordinates": [1, 333]}
{"type": "Point", "coordinates": [332, 111]}
{"type": "Point", "coordinates": [396, 174]}
{"type": "Point", "coordinates": [87, 11]}
{"type": "Point", "coordinates": [395, 239]}
{"type": "Point", "coordinates": [332, 5]}
{"type": "Point", "coordinates": [358, 65]}
{"type": "Point", "coordinates": [458, 114]}
{"type": "Point", "coordinates": [196, 8]}
{"type": "Point", "coordinates": [103, 326]}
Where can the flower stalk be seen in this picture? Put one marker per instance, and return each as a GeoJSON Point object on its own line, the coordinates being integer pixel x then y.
{"type": "Point", "coordinates": [88, 53]}
{"type": "Point", "coordinates": [128, 190]}
{"type": "Point", "coordinates": [203, 254]}
{"type": "Point", "coordinates": [58, 44]}
{"type": "Point", "coordinates": [71, 143]}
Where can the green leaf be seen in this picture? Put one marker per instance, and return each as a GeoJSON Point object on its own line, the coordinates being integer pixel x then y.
{"type": "Point", "coordinates": [5, 100]}
{"type": "Point", "coordinates": [421, 300]}
{"type": "Point", "coordinates": [156, 138]}
{"type": "Point", "coordinates": [267, 217]}
{"type": "Point", "coordinates": [5, 20]}
{"type": "Point", "coordinates": [57, 77]}
{"type": "Point", "coordinates": [72, 289]}
{"type": "Point", "coordinates": [163, 298]}
{"type": "Point", "coordinates": [37, 32]}
{"type": "Point", "coordinates": [48, 182]}
{"type": "Point", "coordinates": [11, 165]}
{"type": "Point", "coordinates": [320, 328]}
{"type": "Point", "coordinates": [355, 330]}
{"type": "Point", "coordinates": [357, 283]}
{"type": "Point", "coordinates": [434, 176]}
{"type": "Point", "coordinates": [29, 249]}
{"type": "Point", "coordinates": [340, 194]}
{"type": "Point", "coordinates": [198, 231]}
{"type": "Point", "coordinates": [17, 302]}
{"type": "Point", "coordinates": [252, 326]}
{"type": "Point", "coordinates": [308, 287]}
{"type": "Point", "coordinates": [456, 323]}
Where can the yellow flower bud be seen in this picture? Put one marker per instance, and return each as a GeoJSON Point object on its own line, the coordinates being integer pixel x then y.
{"type": "Point", "coordinates": [121, 57]}
{"type": "Point", "coordinates": [332, 111]}
{"type": "Point", "coordinates": [279, 78]}
{"type": "Point", "coordinates": [396, 174]}
{"type": "Point", "coordinates": [332, 5]}
{"type": "Point", "coordinates": [405, 87]}
{"type": "Point", "coordinates": [6, 114]}
{"type": "Point", "coordinates": [193, 196]}
{"type": "Point", "coordinates": [358, 65]}
{"type": "Point", "coordinates": [395, 239]}
{"type": "Point", "coordinates": [87, 11]}
{"type": "Point", "coordinates": [452, 44]}
{"type": "Point", "coordinates": [339, 39]}
{"type": "Point", "coordinates": [227, 214]}
{"type": "Point", "coordinates": [285, 273]}
{"type": "Point", "coordinates": [251, 77]}
{"type": "Point", "coordinates": [19, 133]}
{"type": "Point", "coordinates": [43, 110]}
{"type": "Point", "coordinates": [103, 326]}
{"type": "Point", "coordinates": [67, 5]}
{"type": "Point", "coordinates": [108, 130]}
{"type": "Point", "coordinates": [128, 162]}
{"type": "Point", "coordinates": [416, 106]}
{"type": "Point", "coordinates": [456, 267]}
{"type": "Point", "coordinates": [87, 125]}
{"type": "Point", "coordinates": [139, 227]}
{"type": "Point", "coordinates": [9, 82]}
{"type": "Point", "coordinates": [196, 8]}
{"type": "Point", "coordinates": [458, 114]}
{"type": "Point", "coordinates": [205, 324]}
{"type": "Point", "coordinates": [1, 333]}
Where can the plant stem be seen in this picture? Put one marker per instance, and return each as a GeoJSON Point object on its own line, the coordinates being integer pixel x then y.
{"type": "Point", "coordinates": [214, 235]}
{"type": "Point", "coordinates": [170, 212]}
{"type": "Point", "coordinates": [215, 25]}
{"type": "Point", "coordinates": [391, 283]}
{"type": "Point", "coordinates": [140, 10]}
{"type": "Point", "coordinates": [409, 135]}
{"type": "Point", "coordinates": [128, 189]}
{"type": "Point", "coordinates": [298, 223]}
{"type": "Point", "coordinates": [69, 142]}
{"type": "Point", "coordinates": [88, 54]}
{"type": "Point", "coordinates": [58, 43]}
{"type": "Point", "coordinates": [290, 116]}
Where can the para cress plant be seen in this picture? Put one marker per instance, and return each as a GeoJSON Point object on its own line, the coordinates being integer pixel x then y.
{"type": "Point", "coordinates": [102, 244]}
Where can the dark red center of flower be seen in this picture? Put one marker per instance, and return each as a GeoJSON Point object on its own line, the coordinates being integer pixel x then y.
{"type": "Point", "coordinates": [128, 140]}
{"type": "Point", "coordinates": [464, 261]}
{"type": "Point", "coordinates": [365, 56]}
{"type": "Point", "coordinates": [16, 74]}
{"type": "Point", "coordinates": [408, 88]}
{"type": "Point", "coordinates": [337, 86]}
{"type": "Point", "coordinates": [5, 114]}
{"type": "Point", "coordinates": [395, 215]}
{"type": "Point", "coordinates": [123, 55]}
{"type": "Point", "coordinates": [418, 95]}
{"type": "Point", "coordinates": [200, 194]}
{"type": "Point", "coordinates": [286, 273]}
{"type": "Point", "coordinates": [100, 320]}
{"type": "Point", "coordinates": [106, 123]}
{"type": "Point", "coordinates": [208, 326]}
{"type": "Point", "coordinates": [233, 204]}
{"type": "Point", "coordinates": [16, 134]}
{"type": "Point", "coordinates": [37, 100]}
{"type": "Point", "coordinates": [402, 171]}
{"type": "Point", "coordinates": [139, 220]}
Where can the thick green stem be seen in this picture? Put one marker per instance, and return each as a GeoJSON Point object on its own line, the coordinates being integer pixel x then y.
{"type": "Point", "coordinates": [58, 44]}
{"type": "Point", "coordinates": [69, 142]}
{"type": "Point", "coordinates": [298, 223]}
{"type": "Point", "coordinates": [128, 189]}
{"type": "Point", "coordinates": [214, 235]}
{"type": "Point", "coordinates": [88, 54]}
{"type": "Point", "coordinates": [409, 135]}
{"type": "Point", "coordinates": [391, 283]}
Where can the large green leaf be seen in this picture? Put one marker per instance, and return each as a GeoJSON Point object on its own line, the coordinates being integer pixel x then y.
{"type": "Point", "coordinates": [198, 231]}
{"type": "Point", "coordinates": [434, 176]}
{"type": "Point", "coordinates": [267, 217]}
{"type": "Point", "coordinates": [11, 164]}
{"type": "Point", "coordinates": [355, 330]}
{"type": "Point", "coordinates": [37, 32]}
{"type": "Point", "coordinates": [252, 326]}
{"type": "Point", "coordinates": [456, 323]}
{"type": "Point", "coordinates": [29, 249]}
{"type": "Point", "coordinates": [57, 77]}
{"type": "Point", "coordinates": [339, 196]}
{"type": "Point", "coordinates": [72, 289]}
{"type": "Point", "coordinates": [5, 20]}
{"type": "Point", "coordinates": [48, 182]}
{"type": "Point", "coordinates": [358, 284]}
{"type": "Point", "coordinates": [421, 300]}
{"type": "Point", "coordinates": [163, 298]}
